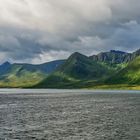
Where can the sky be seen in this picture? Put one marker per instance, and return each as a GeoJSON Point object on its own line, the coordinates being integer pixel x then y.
{"type": "Point", "coordinates": [38, 31]}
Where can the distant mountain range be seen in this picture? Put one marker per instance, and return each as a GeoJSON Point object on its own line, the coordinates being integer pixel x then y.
{"type": "Point", "coordinates": [25, 75]}
{"type": "Point", "coordinates": [115, 57]}
{"type": "Point", "coordinates": [113, 69]}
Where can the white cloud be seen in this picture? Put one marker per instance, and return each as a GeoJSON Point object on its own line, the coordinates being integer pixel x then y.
{"type": "Point", "coordinates": [51, 15]}
{"type": "Point", "coordinates": [36, 29]}
{"type": "Point", "coordinates": [49, 56]}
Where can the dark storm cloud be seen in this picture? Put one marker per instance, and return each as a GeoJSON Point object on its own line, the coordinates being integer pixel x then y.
{"type": "Point", "coordinates": [36, 31]}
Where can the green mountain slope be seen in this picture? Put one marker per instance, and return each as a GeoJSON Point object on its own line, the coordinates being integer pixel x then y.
{"type": "Point", "coordinates": [25, 75]}
{"type": "Point", "coordinates": [17, 76]}
{"type": "Point", "coordinates": [129, 75]}
{"type": "Point", "coordinates": [77, 68]}
{"type": "Point", "coordinates": [114, 69]}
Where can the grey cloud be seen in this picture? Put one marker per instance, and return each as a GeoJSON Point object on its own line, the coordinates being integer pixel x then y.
{"type": "Point", "coordinates": [38, 31]}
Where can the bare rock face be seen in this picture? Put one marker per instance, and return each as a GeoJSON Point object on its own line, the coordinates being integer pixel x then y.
{"type": "Point", "coordinates": [115, 57]}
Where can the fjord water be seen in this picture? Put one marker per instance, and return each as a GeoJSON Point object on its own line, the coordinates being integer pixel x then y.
{"type": "Point", "coordinates": [69, 114]}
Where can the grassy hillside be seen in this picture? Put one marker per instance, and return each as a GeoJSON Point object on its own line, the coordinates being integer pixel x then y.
{"type": "Point", "coordinates": [19, 77]}
{"type": "Point", "coordinates": [113, 70]}
{"type": "Point", "coordinates": [77, 69]}
{"type": "Point", "coordinates": [126, 75]}
{"type": "Point", "coordinates": [79, 66]}
{"type": "Point", "coordinates": [25, 75]}
{"type": "Point", "coordinates": [129, 75]}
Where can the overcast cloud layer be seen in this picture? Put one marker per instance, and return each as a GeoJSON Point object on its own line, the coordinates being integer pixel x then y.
{"type": "Point", "coordinates": [37, 31]}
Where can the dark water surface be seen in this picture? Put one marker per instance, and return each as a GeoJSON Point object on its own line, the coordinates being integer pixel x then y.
{"type": "Point", "coordinates": [69, 115]}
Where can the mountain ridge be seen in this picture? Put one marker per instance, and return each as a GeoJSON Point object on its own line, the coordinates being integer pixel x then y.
{"type": "Point", "coordinates": [78, 71]}
{"type": "Point", "coordinates": [62, 77]}
{"type": "Point", "coordinates": [23, 74]}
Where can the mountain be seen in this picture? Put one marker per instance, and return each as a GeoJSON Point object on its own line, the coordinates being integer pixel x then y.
{"type": "Point", "coordinates": [46, 68]}
{"type": "Point", "coordinates": [135, 54]}
{"type": "Point", "coordinates": [111, 57]}
{"type": "Point", "coordinates": [129, 75]}
{"type": "Point", "coordinates": [105, 70]}
{"type": "Point", "coordinates": [80, 71]}
{"type": "Point", "coordinates": [77, 67]}
{"type": "Point", "coordinates": [4, 67]}
{"type": "Point", "coordinates": [23, 75]}
{"type": "Point", "coordinates": [80, 66]}
{"type": "Point", "coordinates": [115, 57]}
